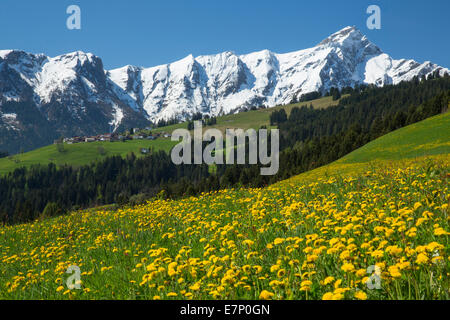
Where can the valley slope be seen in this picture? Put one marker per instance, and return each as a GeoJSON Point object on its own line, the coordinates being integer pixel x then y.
{"type": "Point", "coordinates": [310, 237]}
{"type": "Point", "coordinates": [85, 153]}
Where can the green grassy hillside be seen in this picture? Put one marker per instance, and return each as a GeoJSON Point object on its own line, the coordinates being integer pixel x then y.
{"type": "Point", "coordinates": [428, 137]}
{"type": "Point", "coordinates": [307, 238]}
{"type": "Point", "coordinates": [81, 153]}
{"type": "Point", "coordinates": [84, 153]}
{"type": "Point", "coordinates": [256, 118]}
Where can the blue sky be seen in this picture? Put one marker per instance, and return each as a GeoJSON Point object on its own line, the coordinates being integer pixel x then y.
{"type": "Point", "coordinates": [152, 32]}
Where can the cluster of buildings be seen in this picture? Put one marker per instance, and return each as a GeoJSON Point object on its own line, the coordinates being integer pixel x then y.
{"type": "Point", "coordinates": [115, 137]}
{"type": "Point", "coordinates": [100, 137]}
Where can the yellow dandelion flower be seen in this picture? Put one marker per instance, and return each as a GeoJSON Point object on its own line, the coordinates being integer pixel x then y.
{"type": "Point", "coordinates": [274, 268]}
{"type": "Point", "coordinates": [440, 232]}
{"type": "Point", "coordinates": [281, 273]}
{"type": "Point", "coordinates": [360, 295]}
{"type": "Point", "coordinates": [328, 280]}
{"type": "Point", "coordinates": [265, 295]}
{"type": "Point", "coordinates": [347, 267]}
{"type": "Point", "coordinates": [328, 296]}
{"type": "Point", "coordinates": [422, 258]}
{"type": "Point", "coordinates": [394, 272]}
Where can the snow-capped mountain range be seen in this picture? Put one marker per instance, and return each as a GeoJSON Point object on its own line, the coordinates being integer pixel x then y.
{"type": "Point", "coordinates": [72, 94]}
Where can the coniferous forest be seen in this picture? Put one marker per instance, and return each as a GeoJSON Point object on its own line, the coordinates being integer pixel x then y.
{"type": "Point", "coordinates": [309, 138]}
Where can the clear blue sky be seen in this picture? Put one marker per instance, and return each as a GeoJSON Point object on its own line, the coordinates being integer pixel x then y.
{"type": "Point", "coordinates": [152, 32]}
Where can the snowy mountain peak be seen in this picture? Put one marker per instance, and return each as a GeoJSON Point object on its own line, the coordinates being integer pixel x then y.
{"type": "Point", "coordinates": [349, 37]}
{"type": "Point", "coordinates": [76, 58]}
{"type": "Point", "coordinates": [182, 67]}
{"type": "Point", "coordinates": [340, 36]}
{"type": "Point", "coordinates": [226, 82]}
{"type": "Point", "coordinates": [75, 84]}
{"type": "Point", "coordinates": [21, 58]}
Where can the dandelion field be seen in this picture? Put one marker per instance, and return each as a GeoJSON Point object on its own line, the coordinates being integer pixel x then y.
{"type": "Point", "coordinates": [312, 237]}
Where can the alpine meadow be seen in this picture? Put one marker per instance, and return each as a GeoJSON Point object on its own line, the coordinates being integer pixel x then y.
{"type": "Point", "coordinates": [244, 177]}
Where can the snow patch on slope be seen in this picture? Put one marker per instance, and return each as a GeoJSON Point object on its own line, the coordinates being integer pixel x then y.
{"type": "Point", "coordinates": [117, 117]}
{"type": "Point", "coordinates": [4, 53]}
{"type": "Point", "coordinates": [58, 74]}
{"type": "Point", "coordinates": [10, 120]}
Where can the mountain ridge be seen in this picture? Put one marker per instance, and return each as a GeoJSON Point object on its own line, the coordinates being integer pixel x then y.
{"type": "Point", "coordinates": [75, 95]}
{"type": "Point", "coordinates": [345, 58]}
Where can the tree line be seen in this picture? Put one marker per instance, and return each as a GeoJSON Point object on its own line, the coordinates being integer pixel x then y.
{"type": "Point", "coordinates": [309, 138]}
